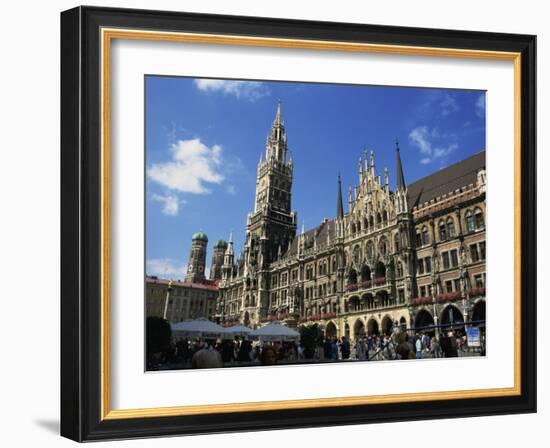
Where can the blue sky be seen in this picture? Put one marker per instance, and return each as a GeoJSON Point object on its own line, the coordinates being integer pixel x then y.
{"type": "Point", "coordinates": [204, 138]}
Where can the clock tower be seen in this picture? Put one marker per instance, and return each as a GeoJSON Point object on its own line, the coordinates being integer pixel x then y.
{"type": "Point", "coordinates": [272, 225]}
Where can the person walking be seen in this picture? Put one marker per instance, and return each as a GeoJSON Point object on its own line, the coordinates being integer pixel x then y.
{"type": "Point", "coordinates": [334, 350]}
{"type": "Point", "coordinates": [327, 349]}
{"type": "Point", "coordinates": [418, 346]}
{"type": "Point", "coordinates": [207, 357]}
{"type": "Point", "coordinates": [345, 348]}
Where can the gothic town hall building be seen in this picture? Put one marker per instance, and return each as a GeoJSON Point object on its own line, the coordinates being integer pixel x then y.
{"type": "Point", "coordinates": [413, 257]}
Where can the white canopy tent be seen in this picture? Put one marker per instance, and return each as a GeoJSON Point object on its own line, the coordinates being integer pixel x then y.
{"type": "Point", "coordinates": [275, 331]}
{"type": "Point", "coordinates": [239, 330]}
{"type": "Point", "coordinates": [199, 328]}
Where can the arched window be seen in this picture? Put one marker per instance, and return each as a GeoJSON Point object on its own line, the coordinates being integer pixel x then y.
{"type": "Point", "coordinates": [383, 246]}
{"type": "Point", "coordinates": [399, 270]}
{"type": "Point", "coordinates": [378, 218]}
{"type": "Point", "coordinates": [352, 228]}
{"type": "Point", "coordinates": [418, 238]}
{"type": "Point", "coordinates": [442, 231]}
{"type": "Point", "coordinates": [358, 226]}
{"type": "Point", "coordinates": [333, 264]}
{"type": "Point", "coordinates": [365, 273]}
{"type": "Point", "coordinates": [371, 221]}
{"type": "Point", "coordinates": [451, 227]}
{"type": "Point", "coordinates": [478, 218]}
{"type": "Point", "coordinates": [385, 216]}
{"type": "Point", "coordinates": [470, 227]}
{"type": "Point", "coordinates": [356, 254]}
{"type": "Point", "coordinates": [365, 223]}
{"type": "Point", "coordinates": [396, 242]}
{"type": "Point", "coordinates": [425, 236]}
{"type": "Point", "coordinates": [370, 250]}
{"type": "Point", "coordinates": [380, 270]}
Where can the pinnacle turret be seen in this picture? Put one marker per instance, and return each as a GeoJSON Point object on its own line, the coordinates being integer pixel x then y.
{"type": "Point", "coordinates": [339, 204]}
{"type": "Point", "coordinates": [400, 177]}
{"type": "Point", "coordinates": [276, 143]}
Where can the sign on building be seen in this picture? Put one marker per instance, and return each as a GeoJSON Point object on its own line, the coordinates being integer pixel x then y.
{"type": "Point", "coordinates": [473, 337]}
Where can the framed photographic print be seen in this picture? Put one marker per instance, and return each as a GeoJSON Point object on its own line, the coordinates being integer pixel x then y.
{"type": "Point", "coordinates": [276, 224]}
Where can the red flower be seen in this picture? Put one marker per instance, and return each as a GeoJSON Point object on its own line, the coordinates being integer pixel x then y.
{"type": "Point", "coordinates": [379, 280]}
{"type": "Point", "coordinates": [477, 292]}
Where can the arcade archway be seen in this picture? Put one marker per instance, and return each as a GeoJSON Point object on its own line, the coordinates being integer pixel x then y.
{"type": "Point", "coordinates": [358, 329]}
{"type": "Point", "coordinates": [387, 325]}
{"type": "Point", "coordinates": [403, 324]}
{"type": "Point", "coordinates": [331, 331]}
{"type": "Point", "coordinates": [372, 328]}
{"type": "Point", "coordinates": [424, 322]}
{"type": "Point", "coordinates": [452, 319]}
{"type": "Point", "coordinates": [478, 314]}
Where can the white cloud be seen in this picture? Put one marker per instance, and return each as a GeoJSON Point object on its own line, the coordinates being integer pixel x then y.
{"type": "Point", "coordinates": [166, 268]}
{"type": "Point", "coordinates": [193, 165]}
{"type": "Point", "coordinates": [480, 106]}
{"type": "Point", "coordinates": [419, 137]}
{"type": "Point", "coordinates": [170, 203]}
{"type": "Point", "coordinates": [422, 137]}
{"type": "Point", "coordinates": [444, 151]}
{"type": "Point", "coordinates": [448, 105]}
{"type": "Point", "coordinates": [249, 90]}
{"type": "Point", "coordinates": [437, 102]}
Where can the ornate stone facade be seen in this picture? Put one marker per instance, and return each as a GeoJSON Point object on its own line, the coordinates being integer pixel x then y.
{"type": "Point", "coordinates": [414, 256]}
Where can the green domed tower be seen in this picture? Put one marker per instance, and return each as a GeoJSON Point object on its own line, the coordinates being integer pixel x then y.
{"type": "Point", "coordinates": [197, 258]}
{"type": "Point", "coordinates": [217, 260]}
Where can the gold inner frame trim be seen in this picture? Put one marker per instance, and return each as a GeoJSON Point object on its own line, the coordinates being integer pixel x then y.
{"type": "Point", "coordinates": [107, 35]}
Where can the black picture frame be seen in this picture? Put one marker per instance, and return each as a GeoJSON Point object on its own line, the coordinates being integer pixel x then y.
{"type": "Point", "coordinates": [81, 224]}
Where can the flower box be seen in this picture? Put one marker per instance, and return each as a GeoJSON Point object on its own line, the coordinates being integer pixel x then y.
{"type": "Point", "coordinates": [447, 297]}
{"type": "Point", "coordinates": [421, 300]}
{"type": "Point", "coordinates": [477, 292]}
{"type": "Point", "coordinates": [379, 281]}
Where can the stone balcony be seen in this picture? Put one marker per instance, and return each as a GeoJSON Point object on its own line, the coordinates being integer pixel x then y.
{"type": "Point", "coordinates": [372, 286]}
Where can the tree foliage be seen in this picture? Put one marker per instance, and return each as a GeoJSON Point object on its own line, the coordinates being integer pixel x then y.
{"type": "Point", "coordinates": [158, 335]}
{"type": "Point", "coordinates": [311, 336]}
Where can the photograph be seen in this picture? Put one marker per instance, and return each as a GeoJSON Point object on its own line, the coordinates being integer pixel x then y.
{"type": "Point", "coordinates": [291, 223]}
{"type": "Point", "coordinates": [272, 223]}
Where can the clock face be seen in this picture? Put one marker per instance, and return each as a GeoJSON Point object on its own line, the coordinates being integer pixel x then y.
{"type": "Point", "coordinates": [190, 269]}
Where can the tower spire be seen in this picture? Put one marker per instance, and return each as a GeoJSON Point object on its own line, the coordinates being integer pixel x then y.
{"type": "Point", "coordinates": [276, 143]}
{"type": "Point", "coordinates": [372, 172]}
{"type": "Point", "coordinates": [278, 119]}
{"type": "Point", "coordinates": [339, 204]}
{"type": "Point", "coordinates": [400, 177]}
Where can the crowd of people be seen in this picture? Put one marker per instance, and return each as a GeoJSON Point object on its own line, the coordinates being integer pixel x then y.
{"type": "Point", "coordinates": [211, 353]}
{"type": "Point", "coordinates": [403, 345]}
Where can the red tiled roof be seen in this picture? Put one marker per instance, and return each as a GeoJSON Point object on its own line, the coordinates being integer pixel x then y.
{"type": "Point", "coordinates": [209, 285]}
